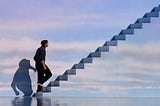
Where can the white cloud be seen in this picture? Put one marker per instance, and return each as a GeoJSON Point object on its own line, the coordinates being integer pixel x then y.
{"type": "Point", "coordinates": [30, 17]}
{"type": "Point", "coordinates": [5, 87]}
{"type": "Point", "coordinates": [135, 67]}
{"type": "Point", "coordinates": [24, 48]}
{"type": "Point", "coordinates": [10, 65]}
{"type": "Point", "coordinates": [15, 46]}
{"type": "Point", "coordinates": [122, 71]}
{"type": "Point", "coordinates": [27, 45]}
{"type": "Point", "coordinates": [53, 20]}
{"type": "Point", "coordinates": [9, 71]}
{"type": "Point", "coordinates": [147, 50]}
{"type": "Point", "coordinates": [9, 62]}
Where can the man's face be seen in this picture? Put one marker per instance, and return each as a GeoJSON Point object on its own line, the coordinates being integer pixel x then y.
{"type": "Point", "coordinates": [46, 45]}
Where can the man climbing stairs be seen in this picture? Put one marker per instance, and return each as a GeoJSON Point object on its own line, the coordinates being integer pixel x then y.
{"type": "Point", "coordinates": [138, 24]}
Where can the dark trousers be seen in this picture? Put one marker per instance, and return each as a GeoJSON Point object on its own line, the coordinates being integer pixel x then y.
{"type": "Point", "coordinates": [43, 75]}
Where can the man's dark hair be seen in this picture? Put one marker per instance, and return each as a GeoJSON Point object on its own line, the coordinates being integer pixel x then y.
{"type": "Point", "coordinates": [43, 42]}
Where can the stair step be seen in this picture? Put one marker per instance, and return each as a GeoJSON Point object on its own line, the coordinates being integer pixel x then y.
{"type": "Point", "coordinates": [54, 83]}
{"type": "Point", "coordinates": [143, 20]}
{"type": "Point", "coordinates": [127, 31]}
{"type": "Point", "coordinates": [70, 72]}
{"type": "Point", "coordinates": [95, 54]}
{"type": "Point", "coordinates": [155, 9]}
{"type": "Point", "coordinates": [103, 49]}
{"type": "Point", "coordinates": [78, 66]}
{"type": "Point", "coordinates": [119, 37]}
{"type": "Point", "coordinates": [152, 14]}
{"type": "Point", "coordinates": [111, 43]}
{"type": "Point", "coordinates": [37, 94]}
{"type": "Point", "coordinates": [87, 60]}
{"type": "Point", "coordinates": [63, 77]}
{"type": "Point", "coordinates": [135, 26]}
{"type": "Point", "coordinates": [47, 89]}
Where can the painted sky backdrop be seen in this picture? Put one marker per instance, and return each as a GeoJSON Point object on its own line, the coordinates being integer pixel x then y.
{"type": "Point", "coordinates": [73, 27]}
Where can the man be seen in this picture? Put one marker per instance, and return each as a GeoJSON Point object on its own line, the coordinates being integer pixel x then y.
{"type": "Point", "coordinates": [43, 71]}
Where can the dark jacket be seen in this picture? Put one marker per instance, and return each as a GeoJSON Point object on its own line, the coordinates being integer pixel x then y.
{"type": "Point", "coordinates": [40, 54]}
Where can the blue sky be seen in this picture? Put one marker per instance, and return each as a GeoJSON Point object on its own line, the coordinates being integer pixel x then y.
{"type": "Point", "coordinates": [73, 27]}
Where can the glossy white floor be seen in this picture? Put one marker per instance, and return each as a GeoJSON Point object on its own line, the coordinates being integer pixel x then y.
{"type": "Point", "coordinates": [69, 101]}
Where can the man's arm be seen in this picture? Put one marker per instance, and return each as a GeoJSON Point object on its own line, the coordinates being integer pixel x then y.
{"type": "Point", "coordinates": [13, 85]}
{"type": "Point", "coordinates": [33, 68]}
{"type": "Point", "coordinates": [44, 65]}
{"type": "Point", "coordinates": [42, 58]}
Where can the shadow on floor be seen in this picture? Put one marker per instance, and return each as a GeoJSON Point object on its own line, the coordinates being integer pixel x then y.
{"type": "Point", "coordinates": [21, 80]}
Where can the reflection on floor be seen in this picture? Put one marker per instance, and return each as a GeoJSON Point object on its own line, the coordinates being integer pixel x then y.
{"type": "Point", "coordinates": [72, 101]}
{"type": "Point", "coordinates": [30, 101]}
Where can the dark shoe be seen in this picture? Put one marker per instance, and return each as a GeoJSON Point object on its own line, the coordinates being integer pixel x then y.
{"type": "Point", "coordinates": [39, 88]}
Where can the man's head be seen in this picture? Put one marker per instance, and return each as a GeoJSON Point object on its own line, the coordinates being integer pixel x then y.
{"type": "Point", "coordinates": [44, 43]}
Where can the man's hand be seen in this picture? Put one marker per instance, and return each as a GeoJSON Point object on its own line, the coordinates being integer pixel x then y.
{"type": "Point", "coordinates": [44, 65]}
{"type": "Point", "coordinates": [45, 68]}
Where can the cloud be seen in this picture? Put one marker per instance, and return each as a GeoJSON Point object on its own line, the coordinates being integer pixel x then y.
{"type": "Point", "coordinates": [15, 46]}
{"type": "Point", "coordinates": [10, 65]}
{"type": "Point", "coordinates": [5, 89]}
{"type": "Point", "coordinates": [24, 48]}
{"type": "Point", "coordinates": [125, 73]}
{"type": "Point", "coordinates": [59, 22]}
{"type": "Point", "coordinates": [135, 67]}
{"type": "Point", "coordinates": [6, 63]}
{"type": "Point", "coordinates": [29, 46]}
{"type": "Point", "coordinates": [42, 16]}
{"type": "Point", "coordinates": [140, 51]}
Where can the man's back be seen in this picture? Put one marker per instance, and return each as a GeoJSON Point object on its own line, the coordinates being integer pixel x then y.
{"type": "Point", "coordinates": [40, 54]}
